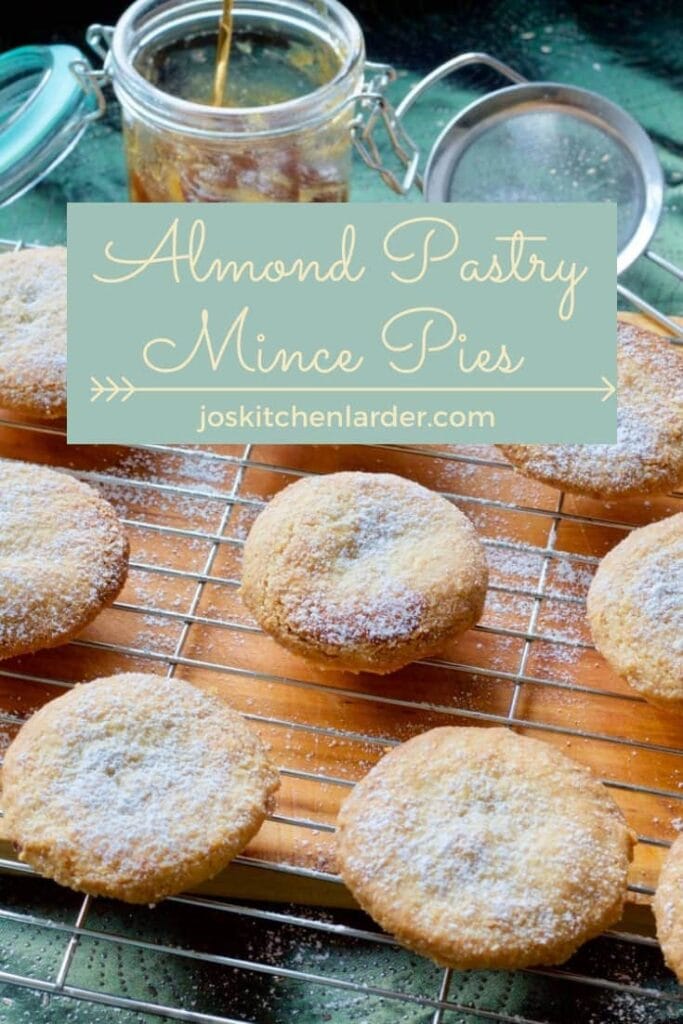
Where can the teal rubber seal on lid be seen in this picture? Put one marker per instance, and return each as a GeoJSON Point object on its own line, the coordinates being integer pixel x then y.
{"type": "Point", "coordinates": [45, 105]}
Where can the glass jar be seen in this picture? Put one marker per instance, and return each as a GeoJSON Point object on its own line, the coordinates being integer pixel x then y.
{"type": "Point", "coordinates": [178, 150]}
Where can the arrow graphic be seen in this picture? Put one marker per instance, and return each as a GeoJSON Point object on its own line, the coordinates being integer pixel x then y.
{"type": "Point", "coordinates": [111, 389]}
{"type": "Point", "coordinates": [609, 389]}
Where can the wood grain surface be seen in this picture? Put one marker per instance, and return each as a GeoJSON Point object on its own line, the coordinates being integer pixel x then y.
{"type": "Point", "coordinates": [529, 663]}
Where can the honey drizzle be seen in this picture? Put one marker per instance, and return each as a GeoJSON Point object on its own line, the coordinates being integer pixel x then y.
{"type": "Point", "coordinates": [222, 53]}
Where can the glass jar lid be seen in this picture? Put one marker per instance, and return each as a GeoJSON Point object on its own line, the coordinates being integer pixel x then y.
{"type": "Point", "coordinates": [47, 98]}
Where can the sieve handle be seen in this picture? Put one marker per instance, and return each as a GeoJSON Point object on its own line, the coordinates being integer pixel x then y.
{"type": "Point", "coordinates": [675, 330]}
{"type": "Point", "coordinates": [463, 60]}
{"type": "Point", "coordinates": [448, 68]}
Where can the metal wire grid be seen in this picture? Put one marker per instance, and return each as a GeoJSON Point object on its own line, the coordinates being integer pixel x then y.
{"type": "Point", "coordinates": [440, 1005]}
{"type": "Point", "coordinates": [440, 1002]}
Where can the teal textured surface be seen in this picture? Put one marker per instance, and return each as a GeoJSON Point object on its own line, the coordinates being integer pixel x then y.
{"type": "Point", "coordinates": [614, 51]}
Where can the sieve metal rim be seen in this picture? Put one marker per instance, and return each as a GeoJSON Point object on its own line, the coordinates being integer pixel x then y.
{"type": "Point", "coordinates": [584, 105]}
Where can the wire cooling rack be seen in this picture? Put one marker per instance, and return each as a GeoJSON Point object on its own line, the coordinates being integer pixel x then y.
{"type": "Point", "coordinates": [252, 956]}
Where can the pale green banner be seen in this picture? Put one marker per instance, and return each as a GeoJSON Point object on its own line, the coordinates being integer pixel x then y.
{"type": "Point", "coordinates": [432, 323]}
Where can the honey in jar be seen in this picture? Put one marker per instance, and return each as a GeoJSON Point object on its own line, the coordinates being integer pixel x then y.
{"type": "Point", "coordinates": [281, 131]}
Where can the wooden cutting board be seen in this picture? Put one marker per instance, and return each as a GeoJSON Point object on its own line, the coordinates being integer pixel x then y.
{"type": "Point", "coordinates": [327, 729]}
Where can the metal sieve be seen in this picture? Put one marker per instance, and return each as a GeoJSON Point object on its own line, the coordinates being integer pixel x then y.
{"type": "Point", "coordinates": [539, 142]}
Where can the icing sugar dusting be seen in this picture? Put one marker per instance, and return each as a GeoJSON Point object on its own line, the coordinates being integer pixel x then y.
{"type": "Point", "coordinates": [33, 316]}
{"type": "Point", "coordinates": [649, 423]}
{"type": "Point", "coordinates": [637, 441]}
{"type": "Point", "coordinates": [361, 593]}
{"type": "Point", "coordinates": [150, 771]}
{"type": "Point", "coordinates": [61, 550]}
{"type": "Point", "coordinates": [517, 846]}
{"type": "Point", "coordinates": [658, 587]}
{"type": "Point", "coordinates": [472, 856]}
{"type": "Point", "coordinates": [389, 611]}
